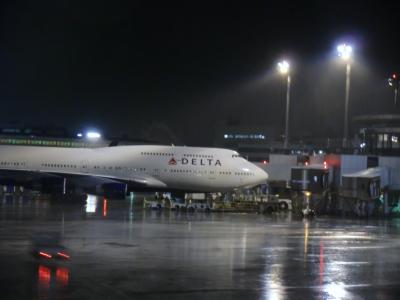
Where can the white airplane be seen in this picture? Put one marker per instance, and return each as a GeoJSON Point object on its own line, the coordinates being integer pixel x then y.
{"type": "Point", "coordinates": [137, 167]}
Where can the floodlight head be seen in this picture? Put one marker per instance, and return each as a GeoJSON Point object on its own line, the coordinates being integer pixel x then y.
{"type": "Point", "coordinates": [344, 51]}
{"type": "Point", "coordinates": [283, 67]}
{"type": "Point", "coordinates": [93, 135]}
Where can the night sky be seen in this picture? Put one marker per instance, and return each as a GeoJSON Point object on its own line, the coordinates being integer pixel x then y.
{"type": "Point", "coordinates": [141, 67]}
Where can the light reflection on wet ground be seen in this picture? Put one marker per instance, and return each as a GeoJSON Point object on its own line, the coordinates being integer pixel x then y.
{"type": "Point", "coordinates": [118, 252]}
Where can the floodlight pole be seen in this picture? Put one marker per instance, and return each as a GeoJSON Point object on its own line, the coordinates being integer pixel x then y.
{"type": "Point", "coordinates": [346, 107]}
{"type": "Point", "coordinates": [286, 142]}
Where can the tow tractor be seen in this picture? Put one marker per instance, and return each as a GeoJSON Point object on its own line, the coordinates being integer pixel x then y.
{"type": "Point", "coordinates": [307, 212]}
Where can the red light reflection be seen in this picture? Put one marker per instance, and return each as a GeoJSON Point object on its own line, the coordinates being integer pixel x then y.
{"type": "Point", "coordinates": [44, 276]}
{"type": "Point", "coordinates": [104, 207]}
{"type": "Point", "coordinates": [62, 276]}
{"type": "Point", "coordinates": [321, 263]}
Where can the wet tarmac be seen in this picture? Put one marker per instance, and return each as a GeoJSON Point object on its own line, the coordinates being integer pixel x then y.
{"type": "Point", "coordinates": [119, 252]}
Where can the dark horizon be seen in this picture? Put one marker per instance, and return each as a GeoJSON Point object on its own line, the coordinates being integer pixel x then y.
{"type": "Point", "coordinates": [127, 68]}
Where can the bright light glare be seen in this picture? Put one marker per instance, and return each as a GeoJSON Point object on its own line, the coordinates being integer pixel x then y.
{"type": "Point", "coordinates": [344, 51]}
{"type": "Point", "coordinates": [283, 67]}
{"type": "Point", "coordinates": [66, 256]}
{"type": "Point", "coordinates": [93, 135]}
{"type": "Point", "coordinates": [91, 204]}
{"type": "Point", "coordinates": [79, 134]}
{"type": "Point", "coordinates": [44, 254]}
{"type": "Point", "coordinates": [336, 291]}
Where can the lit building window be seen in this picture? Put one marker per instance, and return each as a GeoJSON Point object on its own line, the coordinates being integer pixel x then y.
{"type": "Point", "coordinates": [239, 136]}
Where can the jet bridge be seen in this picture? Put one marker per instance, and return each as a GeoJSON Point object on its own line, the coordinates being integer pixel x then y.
{"type": "Point", "coordinates": [359, 191]}
{"type": "Point", "coordinates": [362, 185]}
{"type": "Point", "coordinates": [310, 186]}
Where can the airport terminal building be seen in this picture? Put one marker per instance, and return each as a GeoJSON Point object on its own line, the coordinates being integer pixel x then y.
{"type": "Point", "coordinates": [378, 134]}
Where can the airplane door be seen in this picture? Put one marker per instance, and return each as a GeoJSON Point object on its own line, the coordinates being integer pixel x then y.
{"type": "Point", "coordinates": [85, 166]}
{"type": "Point", "coordinates": [211, 175]}
{"type": "Point", "coordinates": [156, 173]}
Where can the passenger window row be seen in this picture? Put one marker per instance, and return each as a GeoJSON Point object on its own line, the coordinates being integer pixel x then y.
{"type": "Point", "coordinates": [237, 173]}
{"type": "Point", "coordinates": [171, 154]}
{"type": "Point", "coordinates": [156, 153]}
{"type": "Point", "coordinates": [119, 168]}
{"type": "Point", "coordinates": [188, 171]}
{"type": "Point", "coordinates": [8, 163]}
{"type": "Point", "coordinates": [244, 174]}
{"type": "Point", "coordinates": [199, 155]}
{"type": "Point", "coordinates": [225, 173]}
{"type": "Point", "coordinates": [50, 165]}
{"type": "Point", "coordinates": [180, 171]}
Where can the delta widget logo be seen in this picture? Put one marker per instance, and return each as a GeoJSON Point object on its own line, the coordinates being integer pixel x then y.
{"type": "Point", "coordinates": [172, 162]}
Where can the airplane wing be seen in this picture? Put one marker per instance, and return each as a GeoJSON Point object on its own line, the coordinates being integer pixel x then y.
{"type": "Point", "coordinates": [8, 176]}
{"type": "Point", "coordinates": [146, 181]}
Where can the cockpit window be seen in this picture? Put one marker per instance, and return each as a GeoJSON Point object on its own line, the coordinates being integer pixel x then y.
{"type": "Point", "coordinates": [236, 155]}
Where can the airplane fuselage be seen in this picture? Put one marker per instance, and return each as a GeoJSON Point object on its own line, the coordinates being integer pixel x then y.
{"type": "Point", "coordinates": [184, 168]}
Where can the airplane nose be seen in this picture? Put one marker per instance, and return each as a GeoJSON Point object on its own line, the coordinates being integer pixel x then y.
{"type": "Point", "coordinates": [263, 175]}
{"type": "Point", "coordinates": [260, 175]}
